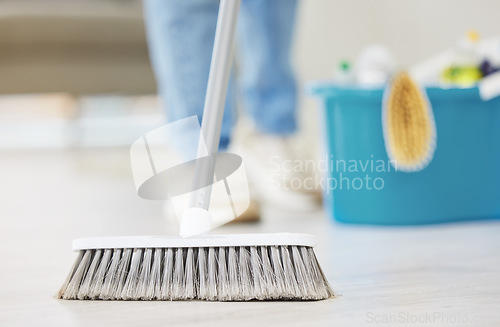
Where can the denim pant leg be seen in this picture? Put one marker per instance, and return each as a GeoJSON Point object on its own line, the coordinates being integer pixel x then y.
{"type": "Point", "coordinates": [180, 37]}
{"type": "Point", "coordinates": [267, 79]}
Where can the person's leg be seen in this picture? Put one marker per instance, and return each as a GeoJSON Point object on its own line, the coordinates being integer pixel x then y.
{"type": "Point", "coordinates": [270, 95]}
{"type": "Point", "coordinates": [268, 82]}
{"type": "Point", "coordinates": [180, 38]}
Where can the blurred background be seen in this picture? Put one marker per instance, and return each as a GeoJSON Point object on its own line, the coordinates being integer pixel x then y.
{"type": "Point", "coordinates": [76, 87]}
{"type": "Point", "coordinates": [76, 73]}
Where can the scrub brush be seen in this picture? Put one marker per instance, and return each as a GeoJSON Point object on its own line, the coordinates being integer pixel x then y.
{"type": "Point", "coordinates": [408, 124]}
{"type": "Point", "coordinates": [195, 265]}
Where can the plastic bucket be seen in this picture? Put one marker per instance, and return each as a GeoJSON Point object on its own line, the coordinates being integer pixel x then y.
{"type": "Point", "coordinates": [361, 186]}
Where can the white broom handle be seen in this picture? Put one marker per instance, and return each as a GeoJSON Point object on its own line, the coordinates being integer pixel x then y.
{"type": "Point", "coordinates": [215, 99]}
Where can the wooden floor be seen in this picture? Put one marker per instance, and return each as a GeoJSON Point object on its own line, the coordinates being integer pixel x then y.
{"type": "Point", "coordinates": [434, 275]}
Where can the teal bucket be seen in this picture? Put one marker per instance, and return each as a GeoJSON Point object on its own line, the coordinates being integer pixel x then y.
{"type": "Point", "coordinates": [361, 186]}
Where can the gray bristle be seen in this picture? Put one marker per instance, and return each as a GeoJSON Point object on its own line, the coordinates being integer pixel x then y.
{"type": "Point", "coordinates": [110, 276]}
{"type": "Point", "coordinates": [178, 276]}
{"type": "Point", "coordinates": [166, 284]}
{"type": "Point", "coordinates": [214, 274]}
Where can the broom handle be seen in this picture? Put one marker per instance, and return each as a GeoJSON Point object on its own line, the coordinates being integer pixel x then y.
{"type": "Point", "coordinates": [215, 100]}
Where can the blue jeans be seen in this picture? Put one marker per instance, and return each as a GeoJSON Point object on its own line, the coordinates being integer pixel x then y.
{"type": "Point", "coordinates": [180, 37]}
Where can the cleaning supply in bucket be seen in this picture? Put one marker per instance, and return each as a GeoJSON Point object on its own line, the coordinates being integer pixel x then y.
{"type": "Point", "coordinates": [193, 266]}
{"type": "Point", "coordinates": [408, 124]}
{"type": "Point", "coordinates": [374, 65]}
{"type": "Point", "coordinates": [465, 53]}
{"type": "Point", "coordinates": [344, 74]}
{"type": "Point", "coordinates": [464, 76]}
{"type": "Point", "coordinates": [462, 65]}
{"type": "Point", "coordinates": [464, 70]}
{"type": "Point", "coordinates": [487, 68]}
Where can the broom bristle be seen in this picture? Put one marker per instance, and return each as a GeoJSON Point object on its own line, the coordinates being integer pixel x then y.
{"type": "Point", "coordinates": [233, 273]}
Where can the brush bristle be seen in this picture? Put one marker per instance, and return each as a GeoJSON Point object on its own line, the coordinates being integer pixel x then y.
{"type": "Point", "coordinates": [208, 273]}
{"type": "Point", "coordinates": [409, 134]}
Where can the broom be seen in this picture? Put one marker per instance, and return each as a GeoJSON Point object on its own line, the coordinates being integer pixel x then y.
{"type": "Point", "coordinates": [241, 267]}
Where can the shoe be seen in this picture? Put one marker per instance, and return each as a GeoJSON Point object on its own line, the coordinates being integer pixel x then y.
{"type": "Point", "coordinates": [270, 162]}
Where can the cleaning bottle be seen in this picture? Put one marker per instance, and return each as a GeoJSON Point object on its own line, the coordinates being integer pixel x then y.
{"type": "Point", "coordinates": [464, 71]}
{"type": "Point", "coordinates": [344, 74]}
{"type": "Point", "coordinates": [374, 65]}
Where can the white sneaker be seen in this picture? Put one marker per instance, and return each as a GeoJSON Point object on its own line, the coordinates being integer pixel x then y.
{"type": "Point", "coordinates": [269, 161]}
{"type": "Point", "coordinates": [276, 174]}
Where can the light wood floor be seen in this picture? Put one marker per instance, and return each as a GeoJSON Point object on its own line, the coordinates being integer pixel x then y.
{"type": "Point", "coordinates": [435, 275]}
